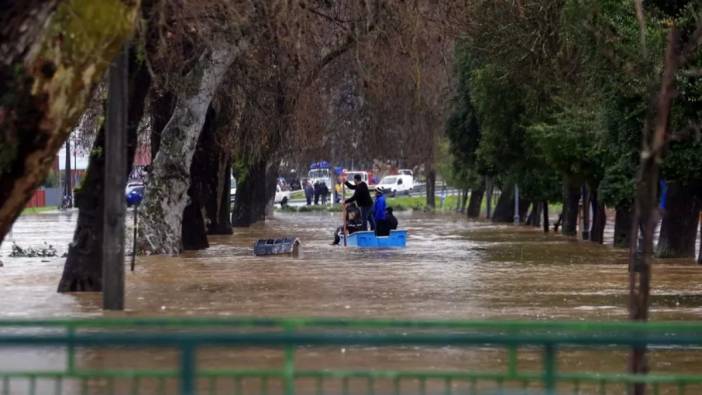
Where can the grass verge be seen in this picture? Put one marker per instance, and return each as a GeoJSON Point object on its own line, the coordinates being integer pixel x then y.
{"type": "Point", "coordinates": [37, 210]}
{"type": "Point", "coordinates": [417, 203]}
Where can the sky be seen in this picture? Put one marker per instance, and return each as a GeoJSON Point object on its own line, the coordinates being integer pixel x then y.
{"type": "Point", "coordinates": [80, 162]}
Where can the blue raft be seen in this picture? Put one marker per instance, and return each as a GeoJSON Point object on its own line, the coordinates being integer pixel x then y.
{"type": "Point", "coordinates": [397, 239]}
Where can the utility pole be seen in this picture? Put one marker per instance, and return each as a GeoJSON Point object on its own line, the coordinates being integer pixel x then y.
{"type": "Point", "coordinates": [115, 180]}
{"type": "Point", "coordinates": [516, 205]}
{"type": "Point", "coordinates": [68, 190]}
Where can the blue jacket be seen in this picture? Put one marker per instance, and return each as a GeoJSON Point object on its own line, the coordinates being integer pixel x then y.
{"type": "Point", "coordinates": [379, 208]}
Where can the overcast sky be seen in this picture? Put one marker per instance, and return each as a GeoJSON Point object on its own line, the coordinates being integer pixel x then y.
{"type": "Point", "coordinates": [80, 162]}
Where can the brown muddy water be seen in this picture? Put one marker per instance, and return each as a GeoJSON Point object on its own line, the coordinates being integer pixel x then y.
{"type": "Point", "coordinates": [451, 269]}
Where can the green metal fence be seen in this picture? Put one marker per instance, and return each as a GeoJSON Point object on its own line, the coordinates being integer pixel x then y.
{"type": "Point", "coordinates": [295, 356]}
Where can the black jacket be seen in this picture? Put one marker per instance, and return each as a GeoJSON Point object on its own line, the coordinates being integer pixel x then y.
{"type": "Point", "coordinates": [354, 225]}
{"type": "Point", "coordinates": [391, 220]}
{"type": "Point", "coordinates": [361, 195]}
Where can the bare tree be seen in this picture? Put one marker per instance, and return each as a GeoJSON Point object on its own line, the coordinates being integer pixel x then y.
{"type": "Point", "coordinates": [193, 53]}
{"type": "Point", "coordinates": [53, 53]}
{"type": "Point", "coordinates": [656, 134]}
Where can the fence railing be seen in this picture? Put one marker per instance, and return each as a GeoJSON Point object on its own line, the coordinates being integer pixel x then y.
{"type": "Point", "coordinates": [288, 356]}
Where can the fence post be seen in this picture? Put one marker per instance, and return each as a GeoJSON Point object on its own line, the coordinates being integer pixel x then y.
{"type": "Point", "coordinates": [187, 369]}
{"type": "Point", "coordinates": [71, 357]}
{"type": "Point", "coordinates": [549, 369]}
{"type": "Point", "coordinates": [289, 363]}
{"type": "Point", "coordinates": [289, 370]}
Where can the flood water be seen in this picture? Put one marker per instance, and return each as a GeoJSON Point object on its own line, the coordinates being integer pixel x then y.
{"type": "Point", "coordinates": [451, 269]}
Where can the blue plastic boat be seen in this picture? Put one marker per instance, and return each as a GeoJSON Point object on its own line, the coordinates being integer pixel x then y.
{"type": "Point", "coordinates": [397, 239]}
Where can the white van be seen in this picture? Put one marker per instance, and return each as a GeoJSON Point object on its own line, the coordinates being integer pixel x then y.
{"type": "Point", "coordinates": [400, 183]}
{"type": "Point", "coordinates": [281, 195]}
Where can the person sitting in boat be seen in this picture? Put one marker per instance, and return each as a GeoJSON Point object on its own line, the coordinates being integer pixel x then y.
{"type": "Point", "coordinates": [379, 214]}
{"type": "Point", "coordinates": [353, 223]}
{"type": "Point", "coordinates": [390, 219]}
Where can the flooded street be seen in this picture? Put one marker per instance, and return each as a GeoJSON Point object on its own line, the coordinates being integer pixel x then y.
{"type": "Point", "coordinates": [451, 269]}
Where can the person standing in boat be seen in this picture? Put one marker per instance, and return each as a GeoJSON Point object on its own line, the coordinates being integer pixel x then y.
{"type": "Point", "coordinates": [361, 196]}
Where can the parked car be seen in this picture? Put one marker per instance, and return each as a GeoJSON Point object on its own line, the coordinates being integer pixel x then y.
{"type": "Point", "coordinates": [134, 187]}
{"type": "Point", "coordinates": [393, 185]}
{"type": "Point", "coordinates": [281, 196]}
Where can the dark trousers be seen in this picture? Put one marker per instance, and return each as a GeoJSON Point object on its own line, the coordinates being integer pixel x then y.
{"type": "Point", "coordinates": [382, 228]}
{"type": "Point", "coordinates": [309, 199]}
{"type": "Point", "coordinates": [367, 217]}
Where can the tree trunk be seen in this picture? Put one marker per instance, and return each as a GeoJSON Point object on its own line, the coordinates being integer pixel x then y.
{"type": "Point", "coordinates": [534, 218]}
{"type": "Point", "coordinates": [622, 226]}
{"type": "Point", "coordinates": [219, 208]}
{"type": "Point", "coordinates": [464, 201]}
{"type": "Point", "coordinates": [161, 107]}
{"type": "Point", "coordinates": [459, 200]}
{"type": "Point", "coordinates": [166, 192]}
{"type": "Point", "coordinates": [679, 228]}
{"type": "Point", "coordinates": [431, 187]}
{"type": "Point", "coordinates": [251, 195]}
{"type": "Point", "coordinates": [194, 230]}
{"type": "Point", "coordinates": [570, 208]}
{"type": "Point", "coordinates": [82, 271]}
{"type": "Point", "coordinates": [655, 137]}
{"type": "Point", "coordinates": [476, 200]}
{"type": "Point", "coordinates": [194, 233]}
{"type": "Point", "coordinates": [585, 230]}
{"type": "Point", "coordinates": [599, 220]}
{"type": "Point", "coordinates": [49, 89]}
{"type": "Point", "coordinates": [530, 218]}
{"type": "Point", "coordinates": [504, 210]}
{"type": "Point", "coordinates": [523, 209]}
{"type": "Point", "coordinates": [546, 219]}
{"type": "Point", "coordinates": [699, 256]}
{"type": "Point", "coordinates": [489, 187]}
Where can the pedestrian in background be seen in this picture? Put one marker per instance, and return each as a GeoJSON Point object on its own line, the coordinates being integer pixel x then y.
{"type": "Point", "coordinates": [317, 192]}
{"type": "Point", "coordinates": [309, 191]}
{"type": "Point", "coordinates": [324, 192]}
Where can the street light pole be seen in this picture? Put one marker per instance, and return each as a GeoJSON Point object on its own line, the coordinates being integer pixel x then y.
{"type": "Point", "coordinates": [115, 179]}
